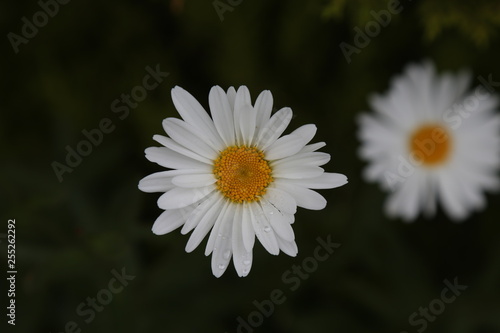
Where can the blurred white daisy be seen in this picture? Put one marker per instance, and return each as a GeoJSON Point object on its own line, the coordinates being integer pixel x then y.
{"type": "Point", "coordinates": [234, 175]}
{"type": "Point", "coordinates": [430, 140]}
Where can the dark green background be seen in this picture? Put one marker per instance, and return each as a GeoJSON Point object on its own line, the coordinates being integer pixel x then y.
{"type": "Point", "coordinates": [71, 234]}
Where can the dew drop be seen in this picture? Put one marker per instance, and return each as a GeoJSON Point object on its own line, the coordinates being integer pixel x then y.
{"type": "Point", "coordinates": [222, 266]}
{"type": "Point", "coordinates": [246, 262]}
{"type": "Point", "coordinates": [226, 254]}
{"type": "Point", "coordinates": [267, 229]}
{"type": "Point", "coordinates": [245, 271]}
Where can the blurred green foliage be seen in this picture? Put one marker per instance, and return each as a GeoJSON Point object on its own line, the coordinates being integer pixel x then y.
{"type": "Point", "coordinates": [72, 234]}
{"type": "Point", "coordinates": [477, 21]}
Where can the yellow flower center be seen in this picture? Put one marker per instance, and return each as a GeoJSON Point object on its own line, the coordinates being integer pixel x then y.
{"type": "Point", "coordinates": [431, 144]}
{"type": "Point", "coordinates": [242, 174]}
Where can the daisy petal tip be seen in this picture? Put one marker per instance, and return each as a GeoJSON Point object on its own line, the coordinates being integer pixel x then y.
{"type": "Point", "coordinates": [338, 179]}
{"type": "Point", "coordinates": [191, 245]}
{"type": "Point", "coordinates": [218, 273]}
{"type": "Point", "coordinates": [154, 229]}
{"type": "Point", "coordinates": [219, 269]}
{"type": "Point", "coordinates": [156, 233]}
{"type": "Point", "coordinates": [243, 273]}
{"type": "Point", "coordinates": [178, 89]}
{"type": "Point", "coordinates": [158, 230]}
{"type": "Point", "coordinates": [141, 186]}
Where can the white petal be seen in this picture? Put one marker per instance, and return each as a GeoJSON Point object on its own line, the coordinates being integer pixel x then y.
{"type": "Point", "coordinates": [222, 113]}
{"type": "Point", "coordinates": [181, 197]}
{"type": "Point", "coordinates": [242, 258]}
{"type": "Point", "coordinates": [204, 226]}
{"type": "Point", "coordinates": [278, 221]}
{"type": "Point", "coordinates": [191, 181]}
{"type": "Point", "coordinates": [291, 217]}
{"type": "Point", "coordinates": [479, 176]}
{"type": "Point", "coordinates": [307, 158]}
{"type": "Point", "coordinates": [162, 181]}
{"type": "Point", "coordinates": [274, 128]}
{"type": "Point", "coordinates": [193, 113]}
{"type": "Point", "coordinates": [313, 147]}
{"type": "Point", "coordinates": [242, 98]}
{"type": "Point", "coordinates": [405, 201]}
{"type": "Point", "coordinates": [263, 229]}
{"type": "Point", "coordinates": [247, 124]}
{"type": "Point", "coordinates": [449, 88]}
{"type": "Point", "coordinates": [231, 96]}
{"type": "Point", "coordinates": [189, 137]}
{"type": "Point", "coordinates": [156, 182]}
{"type": "Point", "coordinates": [215, 230]}
{"type": "Point", "coordinates": [377, 171]}
{"type": "Point", "coordinates": [222, 249]}
{"type": "Point", "coordinates": [168, 221]}
{"type": "Point", "coordinates": [288, 247]}
{"type": "Point", "coordinates": [304, 197]}
{"type": "Point", "coordinates": [285, 146]}
{"type": "Point", "coordinates": [172, 160]}
{"type": "Point", "coordinates": [247, 230]}
{"type": "Point", "coordinates": [281, 200]}
{"type": "Point", "coordinates": [189, 108]}
{"type": "Point", "coordinates": [263, 107]}
{"type": "Point", "coordinates": [475, 198]}
{"type": "Point", "coordinates": [307, 132]}
{"type": "Point", "coordinates": [244, 116]}
{"type": "Point", "coordinates": [201, 211]}
{"type": "Point", "coordinates": [450, 198]}
{"type": "Point", "coordinates": [173, 145]}
{"type": "Point", "coordinates": [391, 205]}
{"type": "Point", "coordinates": [379, 133]}
{"type": "Point", "coordinates": [385, 106]}
{"type": "Point", "coordinates": [471, 193]}
{"type": "Point", "coordinates": [297, 172]}
{"type": "Point", "coordinates": [326, 180]}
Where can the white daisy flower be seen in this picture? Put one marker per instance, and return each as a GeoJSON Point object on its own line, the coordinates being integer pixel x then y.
{"type": "Point", "coordinates": [233, 174]}
{"type": "Point", "coordinates": [430, 140]}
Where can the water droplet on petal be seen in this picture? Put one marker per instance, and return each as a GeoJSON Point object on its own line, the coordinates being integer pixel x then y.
{"type": "Point", "coordinates": [222, 266]}
{"type": "Point", "coordinates": [226, 254]}
{"type": "Point", "coordinates": [245, 271]}
{"type": "Point", "coordinates": [267, 229]}
{"type": "Point", "coordinates": [246, 262]}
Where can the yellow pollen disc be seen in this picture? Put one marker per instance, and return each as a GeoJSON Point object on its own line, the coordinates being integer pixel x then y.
{"type": "Point", "coordinates": [431, 144]}
{"type": "Point", "coordinates": [242, 174]}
